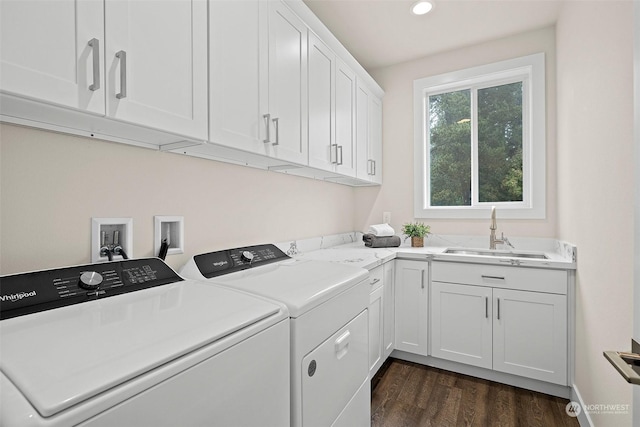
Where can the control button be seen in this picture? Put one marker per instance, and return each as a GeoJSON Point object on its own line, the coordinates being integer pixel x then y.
{"type": "Point", "coordinates": [90, 280]}
{"type": "Point", "coordinates": [246, 256]}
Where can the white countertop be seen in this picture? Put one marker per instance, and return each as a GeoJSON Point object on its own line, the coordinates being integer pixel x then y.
{"type": "Point", "coordinates": [560, 255]}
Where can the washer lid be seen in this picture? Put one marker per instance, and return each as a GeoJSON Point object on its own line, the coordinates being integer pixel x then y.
{"type": "Point", "coordinates": [59, 358]}
{"type": "Point", "coordinates": [300, 284]}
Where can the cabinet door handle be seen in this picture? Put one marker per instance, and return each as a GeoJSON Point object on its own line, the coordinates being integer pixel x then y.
{"type": "Point", "coordinates": [276, 123]}
{"type": "Point", "coordinates": [122, 55]}
{"type": "Point", "coordinates": [95, 49]}
{"type": "Point", "coordinates": [422, 279]}
{"type": "Point", "coordinates": [267, 118]}
{"type": "Point", "coordinates": [498, 308]}
{"type": "Point", "coordinates": [375, 281]}
{"type": "Point", "coordinates": [486, 307]}
{"type": "Point", "coordinates": [333, 153]}
{"type": "Point", "coordinates": [339, 162]}
{"type": "Point", "coordinates": [374, 167]}
{"type": "Point", "coordinates": [492, 277]}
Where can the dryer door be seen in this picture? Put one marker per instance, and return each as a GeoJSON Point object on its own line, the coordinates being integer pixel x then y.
{"type": "Point", "coordinates": [333, 372]}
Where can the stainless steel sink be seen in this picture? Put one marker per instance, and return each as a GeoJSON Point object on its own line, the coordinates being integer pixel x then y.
{"type": "Point", "coordinates": [493, 253]}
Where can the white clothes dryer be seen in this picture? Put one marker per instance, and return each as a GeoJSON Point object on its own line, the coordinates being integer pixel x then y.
{"type": "Point", "coordinates": [327, 302]}
{"type": "Point", "coordinates": [132, 343]}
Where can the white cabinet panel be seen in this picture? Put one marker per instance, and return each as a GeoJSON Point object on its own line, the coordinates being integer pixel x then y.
{"type": "Point", "coordinates": [375, 139]}
{"type": "Point", "coordinates": [530, 335]}
{"type": "Point", "coordinates": [45, 51]}
{"type": "Point", "coordinates": [345, 119]}
{"type": "Point", "coordinates": [376, 303]}
{"type": "Point", "coordinates": [287, 84]}
{"type": "Point", "coordinates": [411, 306]}
{"type": "Point", "coordinates": [368, 135]}
{"type": "Point", "coordinates": [156, 59]}
{"type": "Point", "coordinates": [322, 152]}
{"type": "Point", "coordinates": [389, 308]}
{"type": "Point", "coordinates": [461, 323]}
{"type": "Point", "coordinates": [238, 61]}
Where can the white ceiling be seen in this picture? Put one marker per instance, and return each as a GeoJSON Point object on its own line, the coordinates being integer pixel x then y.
{"type": "Point", "coordinates": [379, 33]}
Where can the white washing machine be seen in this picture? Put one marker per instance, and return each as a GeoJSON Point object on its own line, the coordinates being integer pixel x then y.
{"type": "Point", "coordinates": [330, 384]}
{"type": "Point", "coordinates": [131, 343]}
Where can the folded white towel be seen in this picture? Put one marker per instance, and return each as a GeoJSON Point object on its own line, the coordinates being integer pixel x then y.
{"type": "Point", "coordinates": [381, 230]}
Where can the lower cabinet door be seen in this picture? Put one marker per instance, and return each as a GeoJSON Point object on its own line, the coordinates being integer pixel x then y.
{"type": "Point", "coordinates": [388, 329]}
{"type": "Point", "coordinates": [411, 305]}
{"type": "Point", "coordinates": [461, 323]}
{"type": "Point", "coordinates": [375, 330]}
{"type": "Point", "coordinates": [530, 335]}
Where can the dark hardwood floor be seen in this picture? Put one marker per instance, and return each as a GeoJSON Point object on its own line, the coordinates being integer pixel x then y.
{"type": "Point", "coordinates": [411, 395]}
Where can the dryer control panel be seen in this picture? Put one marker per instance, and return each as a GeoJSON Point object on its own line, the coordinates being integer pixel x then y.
{"type": "Point", "coordinates": [36, 291]}
{"type": "Point", "coordinates": [227, 261]}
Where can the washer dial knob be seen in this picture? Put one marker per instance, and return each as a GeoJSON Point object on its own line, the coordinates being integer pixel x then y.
{"type": "Point", "coordinates": [247, 256]}
{"type": "Point", "coordinates": [90, 280]}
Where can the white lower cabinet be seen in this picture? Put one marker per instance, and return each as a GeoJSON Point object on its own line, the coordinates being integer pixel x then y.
{"type": "Point", "coordinates": [516, 331]}
{"type": "Point", "coordinates": [389, 295]}
{"type": "Point", "coordinates": [411, 298]}
{"type": "Point", "coordinates": [381, 315]}
{"type": "Point", "coordinates": [530, 335]}
{"type": "Point", "coordinates": [376, 319]}
{"type": "Point", "coordinates": [461, 323]}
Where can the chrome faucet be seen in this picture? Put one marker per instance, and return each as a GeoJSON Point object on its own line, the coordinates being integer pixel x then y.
{"type": "Point", "coordinates": [492, 237]}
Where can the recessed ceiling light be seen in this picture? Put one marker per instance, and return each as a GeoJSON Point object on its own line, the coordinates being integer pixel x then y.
{"type": "Point", "coordinates": [421, 7]}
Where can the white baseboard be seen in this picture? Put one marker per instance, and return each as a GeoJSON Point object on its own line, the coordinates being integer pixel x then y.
{"type": "Point", "coordinates": [583, 417]}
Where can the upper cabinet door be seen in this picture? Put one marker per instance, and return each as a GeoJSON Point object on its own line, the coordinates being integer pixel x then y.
{"type": "Point", "coordinates": [52, 51]}
{"type": "Point", "coordinates": [363, 163]}
{"type": "Point", "coordinates": [238, 69]}
{"type": "Point", "coordinates": [323, 153]}
{"type": "Point", "coordinates": [287, 84]}
{"type": "Point", "coordinates": [156, 59]}
{"type": "Point", "coordinates": [375, 139]}
{"type": "Point", "coordinates": [345, 118]}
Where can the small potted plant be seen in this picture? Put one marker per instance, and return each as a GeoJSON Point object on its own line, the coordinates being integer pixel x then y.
{"type": "Point", "coordinates": [417, 231]}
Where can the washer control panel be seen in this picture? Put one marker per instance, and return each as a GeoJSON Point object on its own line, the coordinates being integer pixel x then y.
{"type": "Point", "coordinates": [227, 261]}
{"type": "Point", "coordinates": [44, 290]}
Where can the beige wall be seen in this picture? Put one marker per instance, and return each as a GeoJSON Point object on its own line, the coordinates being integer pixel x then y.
{"type": "Point", "coordinates": [595, 188]}
{"type": "Point", "coordinates": [53, 184]}
{"type": "Point", "coordinates": [396, 195]}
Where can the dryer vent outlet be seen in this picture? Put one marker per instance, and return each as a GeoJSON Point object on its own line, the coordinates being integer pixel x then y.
{"type": "Point", "coordinates": [171, 230]}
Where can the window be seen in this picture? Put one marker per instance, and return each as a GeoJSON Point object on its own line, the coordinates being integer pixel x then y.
{"type": "Point", "coordinates": [480, 141]}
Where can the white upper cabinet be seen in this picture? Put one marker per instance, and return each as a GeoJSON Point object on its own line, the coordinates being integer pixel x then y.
{"type": "Point", "coordinates": [375, 139]}
{"type": "Point", "coordinates": [345, 119]}
{"type": "Point", "coordinates": [287, 114]}
{"type": "Point", "coordinates": [141, 62]}
{"type": "Point", "coordinates": [52, 51]}
{"type": "Point", "coordinates": [238, 67]}
{"type": "Point", "coordinates": [368, 135]}
{"type": "Point", "coordinates": [322, 150]}
{"type": "Point", "coordinates": [258, 79]}
{"type": "Point", "coordinates": [156, 64]}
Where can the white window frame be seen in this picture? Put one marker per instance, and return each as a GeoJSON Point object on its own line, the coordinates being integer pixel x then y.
{"type": "Point", "coordinates": [531, 71]}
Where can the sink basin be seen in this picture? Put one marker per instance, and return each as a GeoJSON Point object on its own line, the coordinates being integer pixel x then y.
{"type": "Point", "coordinates": [510, 254]}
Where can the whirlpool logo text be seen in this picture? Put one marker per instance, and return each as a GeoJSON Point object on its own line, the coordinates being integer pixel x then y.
{"type": "Point", "coordinates": [17, 297]}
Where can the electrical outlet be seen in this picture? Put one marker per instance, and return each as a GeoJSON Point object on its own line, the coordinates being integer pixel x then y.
{"type": "Point", "coordinates": [170, 228]}
{"type": "Point", "coordinates": [108, 234]}
{"type": "Point", "coordinates": [386, 217]}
